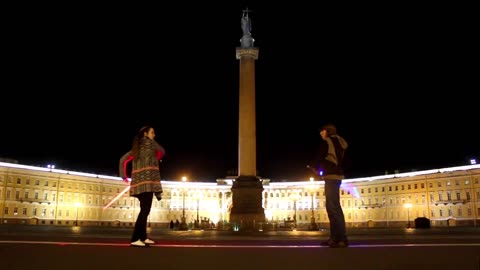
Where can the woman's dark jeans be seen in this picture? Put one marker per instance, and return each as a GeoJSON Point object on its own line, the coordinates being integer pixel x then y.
{"type": "Point", "coordinates": [140, 231]}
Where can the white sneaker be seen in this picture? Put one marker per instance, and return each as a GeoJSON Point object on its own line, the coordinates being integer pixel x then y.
{"type": "Point", "coordinates": [149, 241]}
{"type": "Point", "coordinates": [137, 243]}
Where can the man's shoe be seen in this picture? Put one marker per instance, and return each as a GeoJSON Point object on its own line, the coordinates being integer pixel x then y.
{"type": "Point", "coordinates": [137, 243]}
{"type": "Point", "coordinates": [149, 241]}
{"type": "Point", "coordinates": [339, 244]}
{"type": "Point", "coordinates": [327, 243]}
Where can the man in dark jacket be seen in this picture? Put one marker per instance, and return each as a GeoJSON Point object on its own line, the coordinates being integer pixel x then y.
{"type": "Point", "coordinates": [329, 167]}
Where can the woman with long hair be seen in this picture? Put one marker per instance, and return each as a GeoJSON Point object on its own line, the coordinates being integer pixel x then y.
{"type": "Point", "coordinates": [145, 155]}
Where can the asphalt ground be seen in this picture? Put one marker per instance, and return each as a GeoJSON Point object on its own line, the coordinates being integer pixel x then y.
{"type": "Point", "coordinates": [50, 247]}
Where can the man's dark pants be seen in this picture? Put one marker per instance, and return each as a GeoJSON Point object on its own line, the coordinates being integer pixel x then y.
{"type": "Point", "coordinates": [334, 210]}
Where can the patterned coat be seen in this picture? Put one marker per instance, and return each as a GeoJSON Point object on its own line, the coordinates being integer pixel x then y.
{"type": "Point", "coordinates": [145, 168]}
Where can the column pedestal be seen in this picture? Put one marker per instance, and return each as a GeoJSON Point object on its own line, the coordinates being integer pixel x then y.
{"type": "Point", "coordinates": [247, 212]}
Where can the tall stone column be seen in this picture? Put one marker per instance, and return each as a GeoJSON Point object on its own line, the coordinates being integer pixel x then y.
{"type": "Point", "coordinates": [247, 137]}
{"type": "Point", "coordinates": [247, 210]}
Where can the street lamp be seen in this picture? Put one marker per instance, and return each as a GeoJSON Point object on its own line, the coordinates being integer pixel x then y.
{"type": "Point", "coordinates": [77, 204]}
{"type": "Point", "coordinates": [313, 224]}
{"type": "Point", "coordinates": [408, 206]}
{"type": "Point", "coordinates": [197, 221]}
{"type": "Point", "coordinates": [295, 197]}
{"type": "Point", "coordinates": [183, 225]}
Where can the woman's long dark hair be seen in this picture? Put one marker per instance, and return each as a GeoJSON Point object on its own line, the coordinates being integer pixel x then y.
{"type": "Point", "coordinates": [137, 139]}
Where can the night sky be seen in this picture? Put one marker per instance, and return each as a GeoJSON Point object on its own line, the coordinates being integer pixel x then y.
{"type": "Point", "coordinates": [400, 83]}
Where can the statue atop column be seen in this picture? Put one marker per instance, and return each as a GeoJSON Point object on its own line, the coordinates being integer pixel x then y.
{"type": "Point", "coordinates": [246, 24]}
{"type": "Point", "coordinates": [246, 41]}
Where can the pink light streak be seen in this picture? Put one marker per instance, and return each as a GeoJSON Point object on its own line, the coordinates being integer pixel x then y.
{"type": "Point", "coordinates": [350, 188]}
{"type": "Point", "coordinates": [116, 197]}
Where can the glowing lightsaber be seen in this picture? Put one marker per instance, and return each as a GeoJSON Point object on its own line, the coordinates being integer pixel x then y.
{"type": "Point", "coordinates": [117, 197]}
{"type": "Point", "coordinates": [315, 171]}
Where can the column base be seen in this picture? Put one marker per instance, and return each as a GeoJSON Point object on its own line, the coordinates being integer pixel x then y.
{"type": "Point", "coordinates": [247, 213]}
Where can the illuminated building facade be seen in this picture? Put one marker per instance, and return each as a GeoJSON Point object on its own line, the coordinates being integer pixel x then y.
{"type": "Point", "coordinates": [47, 196]}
